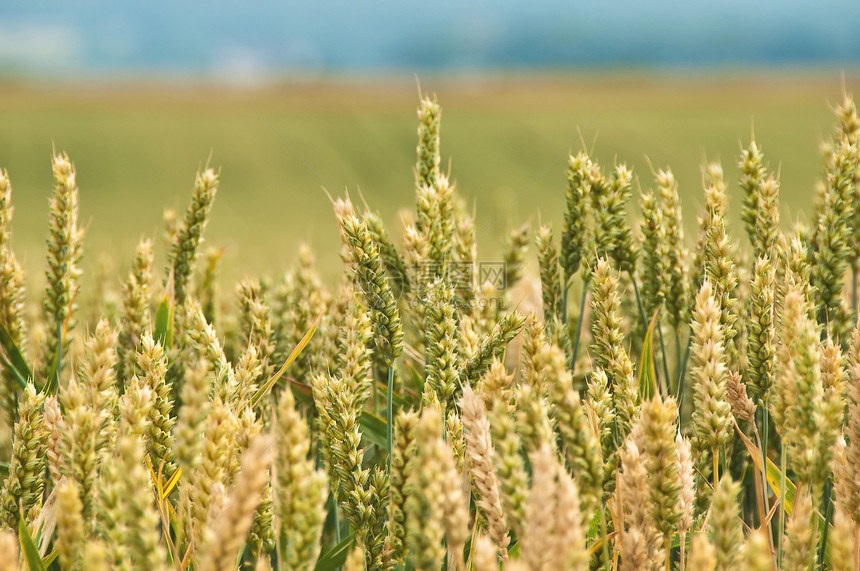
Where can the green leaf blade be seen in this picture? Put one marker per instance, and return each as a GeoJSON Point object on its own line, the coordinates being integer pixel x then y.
{"type": "Point", "coordinates": [336, 556]}
{"type": "Point", "coordinates": [164, 316]}
{"type": "Point", "coordinates": [262, 391]}
{"type": "Point", "coordinates": [15, 359]}
{"type": "Point", "coordinates": [28, 548]}
{"type": "Point", "coordinates": [373, 428]}
{"type": "Point", "coordinates": [647, 381]}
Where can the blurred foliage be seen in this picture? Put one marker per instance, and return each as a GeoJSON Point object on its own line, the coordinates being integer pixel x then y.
{"type": "Point", "coordinates": [136, 148]}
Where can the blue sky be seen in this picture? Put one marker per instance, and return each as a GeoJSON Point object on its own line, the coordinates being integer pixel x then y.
{"type": "Point", "coordinates": [261, 38]}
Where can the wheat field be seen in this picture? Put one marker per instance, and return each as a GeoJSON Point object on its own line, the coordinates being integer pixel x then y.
{"type": "Point", "coordinates": [650, 379]}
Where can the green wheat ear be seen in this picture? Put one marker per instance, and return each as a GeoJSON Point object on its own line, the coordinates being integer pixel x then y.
{"type": "Point", "coordinates": [753, 172]}
{"type": "Point", "coordinates": [70, 526]}
{"type": "Point", "coordinates": [608, 350]}
{"type": "Point", "coordinates": [136, 309]}
{"type": "Point", "coordinates": [435, 220]}
{"type": "Point", "coordinates": [712, 415]}
{"type": "Point", "coordinates": [551, 283]}
{"type": "Point", "coordinates": [425, 488]}
{"type": "Point", "coordinates": [516, 248]}
{"type": "Point", "coordinates": [184, 247]}
{"type": "Point", "coordinates": [833, 237]}
{"type": "Point", "coordinates": [660, 457]}
{"type": "Point", "coordinates": [725, 526]}
{"type": "Point", "coordinates": [12, 296]}
{"type": "Point", "coordinates": [429, 158]}
{"type": "Point", "coordinates": [613, 237]}
{"type": "Point", "coordinates": [580, 443]}
{"type": "Point", "coordinates": [653, 246]}
{"type": "Point", "coordinates": [673, 255]}
{"type": "Point", "coordinates": [64, 256]}
{"type": "Point", "coordinates": [574, 237]}
{"type": "Point", "coordinates": [300, 490]}
{"type": "Point", "coordinates": [402, 464]}
{"type": "Point", "coordinates": [440, 355]}
{"type": "Point", "coordinates": [761, 329]}
{"type": "Point", "coordinates": [373, 283]}
{"type": "Point", "coordinates": [22, 490]}
{"type": "Point", "coordinates": [256, 322]}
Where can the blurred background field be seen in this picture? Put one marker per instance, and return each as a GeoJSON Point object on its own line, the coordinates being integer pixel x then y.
{"type": "Point", "coordinates": [506, 138]}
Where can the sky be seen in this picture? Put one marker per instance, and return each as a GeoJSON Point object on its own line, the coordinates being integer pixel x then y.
{"type": "Point", "coordinates": [257, 39]}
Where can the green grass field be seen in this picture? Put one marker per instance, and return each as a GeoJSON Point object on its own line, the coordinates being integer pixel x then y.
{"type": "Point", "coordinates": [136, 149]}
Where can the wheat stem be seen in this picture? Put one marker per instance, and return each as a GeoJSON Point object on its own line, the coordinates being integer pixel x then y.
{"type": "Point", "coordinates": [761, 485]}
{"type": "Point", "coordinates": [763, 477]}
{"type": "Point", "coordinates": [564, 304]}
{"type": "Point", "coordinates": [389, 415]}
{"type": "Point", "coordinates": [854, 290]}
{"type": "Point", "coordinates": [581, 318]}
{"type": "Point", "coordinates": [665, 379]}
{"type": "Point", "coordinates": [715, 452]}
{"type": "Point", "coordinates": [781, 531]}
{"type": "Point", "coordinates": [683, 373]}
{"type": "Point", "coordinates": [827, 501]}
{"type": "Point", "coordinates": [683, 547]}
{"type": "Point", "coordinates": [604, 531]}
{"type": "Point", "coordinates": [639, 302]}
